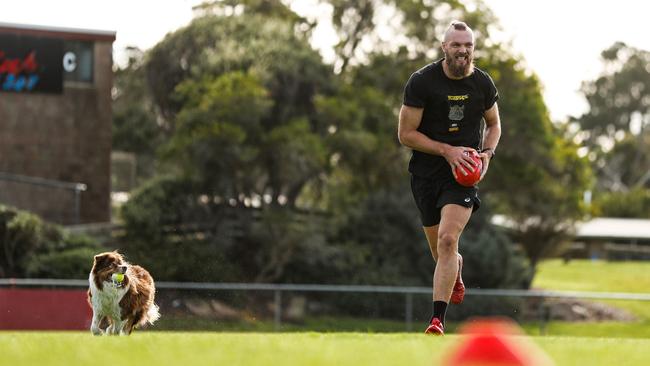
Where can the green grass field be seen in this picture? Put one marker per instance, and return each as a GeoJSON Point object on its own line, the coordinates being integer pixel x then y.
{"type": "Point", "coordinates": [598, 276]}
{"type": "Point", "coordinates": [286, 349]}
{"type": "Point", "coordinates": [605, 343]}
{"type": "Point", "coordinates": [586, 275]}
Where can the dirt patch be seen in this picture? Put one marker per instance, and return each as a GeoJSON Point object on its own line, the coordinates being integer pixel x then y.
{"type": "Point", "coordinates": [575, 310]}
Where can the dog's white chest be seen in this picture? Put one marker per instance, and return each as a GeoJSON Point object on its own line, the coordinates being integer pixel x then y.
{"type": "Point", "coordinates": [107, 301]}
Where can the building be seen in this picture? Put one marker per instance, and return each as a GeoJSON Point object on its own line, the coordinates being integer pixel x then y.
{"type": "Point", "coordinates": [612, 238]}
{"type": "Point", "coordinates": [602, 238]}
{"type": "Point", "coordinates": [55, 121]}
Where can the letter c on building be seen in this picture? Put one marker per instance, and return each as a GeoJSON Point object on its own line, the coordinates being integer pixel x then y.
{"type": "Point", "coordinates": [69, 61]}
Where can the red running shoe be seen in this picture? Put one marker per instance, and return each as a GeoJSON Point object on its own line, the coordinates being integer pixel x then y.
{"type": "Point", "coordinates": [435, 328]}
{"type": "Point", "coordinates": [458, 293]}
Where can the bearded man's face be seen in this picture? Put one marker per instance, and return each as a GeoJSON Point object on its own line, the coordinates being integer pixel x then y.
{"type": "Point", "coordinates": [459, 53]}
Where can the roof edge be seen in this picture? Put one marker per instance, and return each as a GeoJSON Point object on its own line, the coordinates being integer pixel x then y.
{"type": "Point", "coordinates": [63, 32]}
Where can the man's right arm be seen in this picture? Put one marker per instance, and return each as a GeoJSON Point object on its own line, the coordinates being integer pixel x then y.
{"type": "Point", "coordinates": [409, 136]}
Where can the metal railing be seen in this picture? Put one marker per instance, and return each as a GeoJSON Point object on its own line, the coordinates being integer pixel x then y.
{"type": "Point", "coordinates": [76, 188]}
{"type": "Point", "coordinates": [278, 289]}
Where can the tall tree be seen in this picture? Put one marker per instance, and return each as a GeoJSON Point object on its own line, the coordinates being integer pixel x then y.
{"type": "Point", "coordinates": [537, 179]}
{"type": "Point", "coordinates": [417, 26]}
{"type": "Point", "coordinates": [237, 94]}
{"type": "Point", "coordinates": [616, 126]}
{"type": "Point", "coordinates": [135, 128]}
{"type": "Point", "coordinates": [238, 114]}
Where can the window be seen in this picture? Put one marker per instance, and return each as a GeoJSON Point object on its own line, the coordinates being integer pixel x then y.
{"type": "Point", "coordinates": [78, 61]}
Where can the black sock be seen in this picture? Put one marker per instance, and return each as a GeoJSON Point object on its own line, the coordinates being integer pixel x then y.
{"type": "Point", "coordinates": [439, 310]}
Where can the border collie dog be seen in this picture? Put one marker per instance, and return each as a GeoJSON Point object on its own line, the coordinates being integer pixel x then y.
{"type": "Point", "coordinates": [121, 295]}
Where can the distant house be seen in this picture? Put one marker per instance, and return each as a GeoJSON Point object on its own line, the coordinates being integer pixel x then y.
{"type": "Point", "coordinates": [612, 238]}
{"type": "Point", "coordinates": [603, 238]}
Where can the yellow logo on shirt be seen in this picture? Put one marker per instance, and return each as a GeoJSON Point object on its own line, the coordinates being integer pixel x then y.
{"type": "Point", "coordinates": [458, 97]}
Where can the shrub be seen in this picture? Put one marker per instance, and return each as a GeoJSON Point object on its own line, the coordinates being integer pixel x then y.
{"type": "Point", "coordinates": [30, 247]}
{"type": "Point", "coordinates": [632, 204]}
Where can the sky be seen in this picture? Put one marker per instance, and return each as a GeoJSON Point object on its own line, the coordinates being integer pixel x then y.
{"type": "Point", "coordinates": [560, 40]}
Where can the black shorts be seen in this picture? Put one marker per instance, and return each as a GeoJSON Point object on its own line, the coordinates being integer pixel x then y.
{"type": "Point", "coordinates": [432, 194]}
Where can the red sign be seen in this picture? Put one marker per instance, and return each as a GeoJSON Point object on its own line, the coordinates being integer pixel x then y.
{"type": "Point", "coordinates": [30, 64]}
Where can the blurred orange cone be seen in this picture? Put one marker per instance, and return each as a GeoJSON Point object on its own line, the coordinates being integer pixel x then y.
{"type": "Point", "coordinates": [495, 342]}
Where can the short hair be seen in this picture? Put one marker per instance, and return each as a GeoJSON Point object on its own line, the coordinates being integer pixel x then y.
{"type": "Point", "coordinates": [456, 25]}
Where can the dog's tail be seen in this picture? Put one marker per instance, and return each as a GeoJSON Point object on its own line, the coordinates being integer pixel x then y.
{"type": "Point", "coordinates": [153, 313]}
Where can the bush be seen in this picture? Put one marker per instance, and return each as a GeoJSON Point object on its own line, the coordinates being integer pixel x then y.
{"type": "Point", "coordinates": [174, 235]}
{"type": "Point", "coordinates": [71, 263]}
{"type": "Point", "coordinates": [632, 204]}
{"type": "Point", "coordinates": [490, 257]}
{"type": "Point", "coordinates": [386, 238]}
{"type": "Point", "coordinates": [170, 227]}
{"type": "Point", "coordinates": [30, 247]}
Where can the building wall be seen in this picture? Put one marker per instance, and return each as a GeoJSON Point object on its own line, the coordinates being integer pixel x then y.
{"type": "Point", "coordinates": [64, 137]}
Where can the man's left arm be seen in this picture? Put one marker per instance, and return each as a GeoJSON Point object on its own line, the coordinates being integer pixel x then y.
{"type": "Point", "coordinates": [491, 137]}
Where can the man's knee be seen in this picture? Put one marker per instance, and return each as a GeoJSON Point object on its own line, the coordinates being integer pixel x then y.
{"type": "Point", "coordinates": [447, 243]}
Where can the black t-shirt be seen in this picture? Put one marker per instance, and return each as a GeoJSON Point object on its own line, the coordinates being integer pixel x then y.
{"type": "Point", "coordinates": [452, 114]}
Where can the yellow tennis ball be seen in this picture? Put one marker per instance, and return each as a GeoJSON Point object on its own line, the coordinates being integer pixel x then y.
{"type": "Point", "coordinates": [118, 277]}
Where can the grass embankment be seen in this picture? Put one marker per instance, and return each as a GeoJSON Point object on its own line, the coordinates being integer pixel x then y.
{"type": "Point", "coordinates": [599, 276]}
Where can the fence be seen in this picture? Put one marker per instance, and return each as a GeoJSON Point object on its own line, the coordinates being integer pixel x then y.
{"type": "Point", "coordinates": [408, 292]}
{"type": "Point", "coordinates": [42, 196]}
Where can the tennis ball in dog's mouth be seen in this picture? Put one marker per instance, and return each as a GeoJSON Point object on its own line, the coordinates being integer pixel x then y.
{"type": "Point", "coordinates": [118, 277]}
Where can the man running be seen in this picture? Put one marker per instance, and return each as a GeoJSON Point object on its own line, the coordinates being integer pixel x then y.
{"type": "Point", "coordinates": [440, 120]}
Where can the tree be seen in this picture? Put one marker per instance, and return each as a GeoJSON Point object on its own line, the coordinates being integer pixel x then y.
{"type": "Point", "coordinates": [135, 128]}
{"type": "Point", "coordinates": [242, 121]}
{"type": "Point", "coordinates": [537, 179]}
{"type": "Point", "coordinates": [615, 128]}
{"type": "Point", "coordinates": [422, 21]}
{"type": "Point", "coordinates": [244, 144]}
{"type": "Point", "coordinates": [267, 8]}
{"type": "Point", "coordinates": [631, 204]}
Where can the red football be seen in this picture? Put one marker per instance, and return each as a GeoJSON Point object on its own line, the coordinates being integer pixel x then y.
{"type": "Point", "coordinates": [472, 177]}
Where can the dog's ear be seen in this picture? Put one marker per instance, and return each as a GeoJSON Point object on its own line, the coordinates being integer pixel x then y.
{"type": "Point", "coordinates": [99, 259]}
{"type": "Point", "coordinates": [119, 255]}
